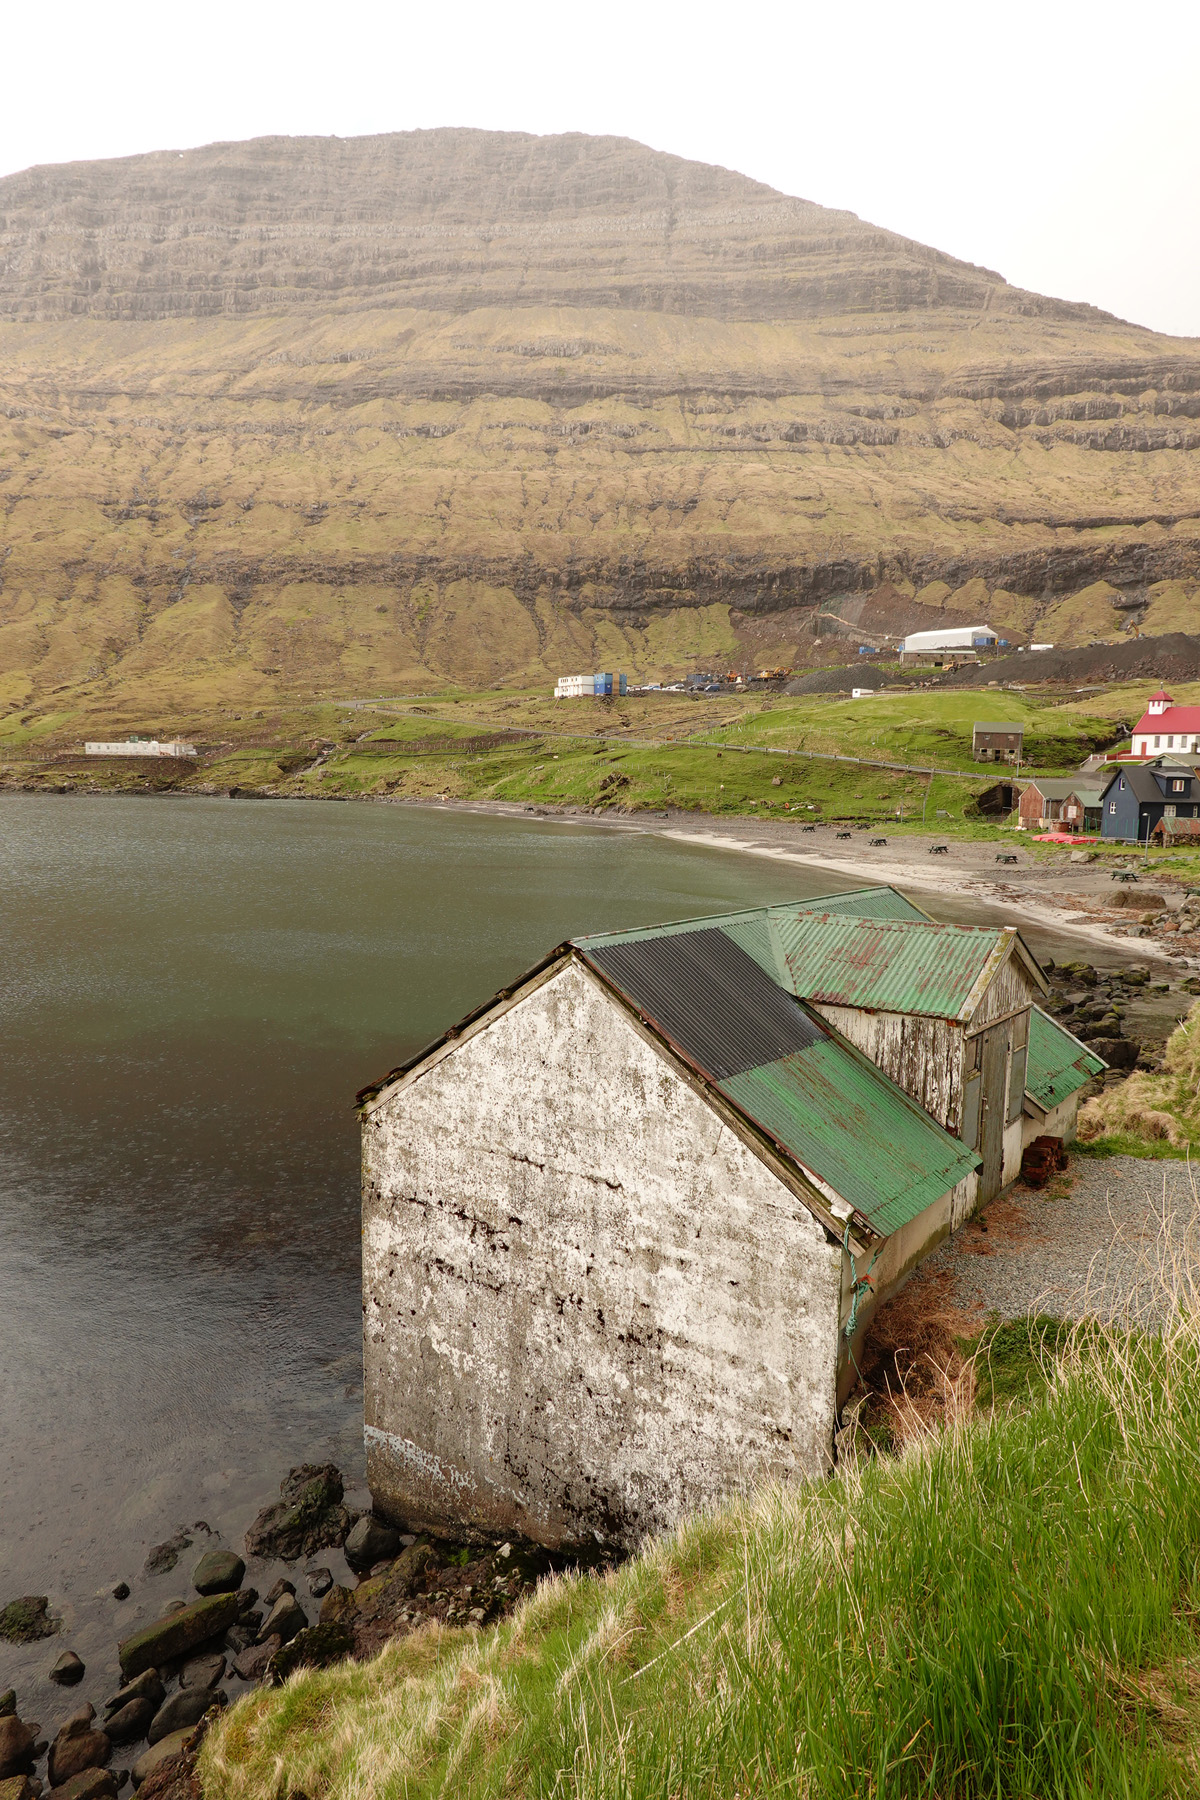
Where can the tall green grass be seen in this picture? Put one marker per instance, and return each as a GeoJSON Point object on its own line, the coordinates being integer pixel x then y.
{"type": "Point", "coordinates": [1006, 1610]}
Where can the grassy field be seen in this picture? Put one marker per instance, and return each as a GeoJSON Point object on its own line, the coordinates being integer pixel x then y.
{"type": "Point", "coordinates": [720, 756]}
{"type": "Point", "coordinates": [1007, 1608]}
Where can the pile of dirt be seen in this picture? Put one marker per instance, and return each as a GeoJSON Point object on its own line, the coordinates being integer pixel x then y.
{"type": "Point", "coordinates": [1175, 657]}
{"type": "Point", "coordinates": [838, 681]}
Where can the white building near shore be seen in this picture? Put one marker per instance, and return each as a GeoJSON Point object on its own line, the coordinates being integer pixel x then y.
{"type": "Point", "coordinates": [136, 746]}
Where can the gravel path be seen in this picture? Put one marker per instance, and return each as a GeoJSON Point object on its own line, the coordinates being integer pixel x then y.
{"type": "Point", "coordinates": [1114, 1237]}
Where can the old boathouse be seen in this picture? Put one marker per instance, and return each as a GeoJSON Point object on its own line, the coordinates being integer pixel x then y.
{"type": "Point", "coordinates": [624, 1226]}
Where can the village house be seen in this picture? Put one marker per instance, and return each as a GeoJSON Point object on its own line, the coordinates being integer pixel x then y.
{"type": "Point", "coordinates": [625, 1226]}
{"type": "Point", "coordinates": [1140, 795]}
{"type": "Point", "coordinates": [1165, 726]}
{"type": "Point", "coordinates": [996, 742]}
{"type": "Point", "coordinates": [1069, 803]}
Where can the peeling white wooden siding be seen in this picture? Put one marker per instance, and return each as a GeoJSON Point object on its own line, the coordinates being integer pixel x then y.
{"type": "Point", "coordinates": [1011, 990]}
{"type": "Point", "coordinates": [588, 1305]}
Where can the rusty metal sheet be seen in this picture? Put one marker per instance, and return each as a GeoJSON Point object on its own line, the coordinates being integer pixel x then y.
{"type": "Point", "coordinates": [890, 965]}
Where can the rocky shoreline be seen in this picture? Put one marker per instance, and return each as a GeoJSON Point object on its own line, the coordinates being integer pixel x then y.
{"type": "Point", "coordinates": [202, 1652]}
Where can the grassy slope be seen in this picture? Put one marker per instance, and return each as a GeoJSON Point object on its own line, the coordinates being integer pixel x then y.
{"type": "Point", "coordinates": [713, 756]}
{"type": "Point", "coordinates": [1006, 1610]}
{"type": "Point", "coordinates": [198, 514]}
{"type": "Point", "coordinates": [1152, 1112]}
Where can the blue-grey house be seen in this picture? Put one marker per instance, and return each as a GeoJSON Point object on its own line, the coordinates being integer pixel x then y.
{"type": "Point", "coordinates": [1140, 794]}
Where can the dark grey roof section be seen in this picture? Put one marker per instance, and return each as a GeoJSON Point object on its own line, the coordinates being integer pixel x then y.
{"type": "Point", "coordinates": [1140, 777]}
{"type": "Point", "coordinates": [992, 725]}
{"type": "Point", "coordinates": [709, 999]}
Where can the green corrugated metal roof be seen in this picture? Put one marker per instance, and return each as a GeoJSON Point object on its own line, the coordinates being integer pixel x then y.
{"type": "Point", "coordinates": [841, 1119]}
{"type": "Point", "coordinates": [1058, 1063]}
{"type": "Point", "coordinates": [751, 927]}
{"type": "Point", "coordinates": [891, 965]}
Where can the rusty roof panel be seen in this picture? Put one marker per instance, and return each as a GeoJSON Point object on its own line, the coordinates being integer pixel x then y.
{"type": "Point", "coordinates": [890, 965]}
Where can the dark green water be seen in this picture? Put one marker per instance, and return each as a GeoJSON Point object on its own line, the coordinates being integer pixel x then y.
{"type": "Point", "coordinates": [191, 991]}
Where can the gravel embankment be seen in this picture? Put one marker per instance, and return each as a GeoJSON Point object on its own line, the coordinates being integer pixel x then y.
{"type": "Point", "coordinates": [1114, 1237]}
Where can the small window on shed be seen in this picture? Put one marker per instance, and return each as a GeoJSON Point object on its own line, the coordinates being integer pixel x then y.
{"type": "Point", "coordinates": [1112, 806]}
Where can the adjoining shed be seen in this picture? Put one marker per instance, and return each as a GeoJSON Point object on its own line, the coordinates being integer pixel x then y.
{"type": "Point", "coordinates": [625, 1226]}
{"type": "Point", "coordinates": [1176, 831]}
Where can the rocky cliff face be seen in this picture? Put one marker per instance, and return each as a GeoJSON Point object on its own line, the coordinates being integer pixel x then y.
{"type": "Point", "coordinates": [306, 415]}
{"type": "Point", "coordinates": [453, 220]}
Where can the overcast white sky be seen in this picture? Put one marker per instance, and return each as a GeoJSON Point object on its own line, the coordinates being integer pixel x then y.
{"type": "Point", "coordinates": [1054, 140]}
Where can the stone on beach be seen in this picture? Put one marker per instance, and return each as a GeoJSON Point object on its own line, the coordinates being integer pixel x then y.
{"type": "Point", "coordinates": [308, 1516]}
{"type": "Point", "coordinates": [177, 1633]}
{"type": "Point", "coordinates": [251, 1664]}
{"type": "Point", "coordinates": [319, 1583]}
{"type": "Point", "coordinates": [202, 1672]}
{"type": "Point", "coordinates": [316, 1647]}
{"type": "Point", "coordinates": [26, 1619]}
{"type": "Point", "coordinates": [285, 1619]}
{"type": "Point", "coordinates": [78, 1746]}
{"type": "Point", "coordinates": [163, 1557]}
{"type": "Point", "coordinates": [370, 1542]}
{"type": "Point", "coordinates": [89, 1784]}
{"type": "Point", "coordinates": [218, 1572]}
{"type": "Point", "coordinates": [68, 1669]}
{"type": "Point", "coordinates": [19, 1787]}
{"type": "Point", "coordinates": [166, 1750]}
{"type": "Point", "coordinates": [145, 1686]}
{"type": "Point", "coordinates": [130, 1722]}
{"type": "Point", "coordinates": [16, 1746]}
{"type": "Point", "coordinates": [182, 1711]}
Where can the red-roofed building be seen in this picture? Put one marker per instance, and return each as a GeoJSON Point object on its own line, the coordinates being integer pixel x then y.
{"type": "Point", "coordinates": [1165, 726]}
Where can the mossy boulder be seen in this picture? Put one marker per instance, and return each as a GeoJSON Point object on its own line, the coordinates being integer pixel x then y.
{"type": "Point", "coordinates": [308, 1516]}
{"type": "Point", "coordinates": [176, 1634]}
{"type": "Point", "coordinates": [25, 1620]}
{"type": "Point", "coordinates": [314, 1648]}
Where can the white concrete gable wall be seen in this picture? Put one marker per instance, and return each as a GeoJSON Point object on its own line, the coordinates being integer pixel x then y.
{"type": "Point", "coordinates": [588, 1305]}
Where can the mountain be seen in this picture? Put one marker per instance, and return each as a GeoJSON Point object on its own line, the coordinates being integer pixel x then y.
{"type": "Point", "coordinates": [304, 416]}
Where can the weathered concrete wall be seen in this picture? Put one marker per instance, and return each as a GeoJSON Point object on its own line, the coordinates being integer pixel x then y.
{"type": "Point", "coordinates": [588, 1305]}
{"type": "Point", "coordinates": [1058, 1122]}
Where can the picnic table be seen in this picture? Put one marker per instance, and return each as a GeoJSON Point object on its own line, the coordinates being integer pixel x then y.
{"type": "Point", "coordinates": [939, 849]}
{"type": "Point", "coordinates": [876, 843]}
{"type": "Point", "coordinates": [1006, 856]}
{"type": "Point", "coordinates": [1124, 875]}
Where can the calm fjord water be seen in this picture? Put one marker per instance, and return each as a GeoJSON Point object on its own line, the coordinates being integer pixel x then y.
{"type": "Point", "coordinates": [190, 993]}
